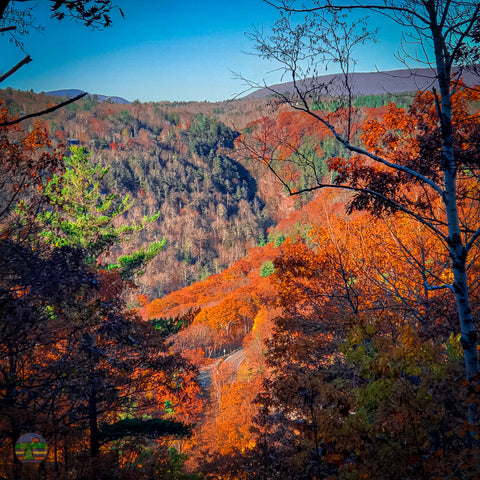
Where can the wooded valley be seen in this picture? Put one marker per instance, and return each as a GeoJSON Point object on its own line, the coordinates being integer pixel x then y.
{"type": "Point", "coordinates": [273, 287]}
{"type": "Point", "coordinates": [340, 334]}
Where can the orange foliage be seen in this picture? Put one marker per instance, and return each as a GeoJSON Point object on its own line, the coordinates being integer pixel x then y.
{"type": "Point", "coordinates": [214, 289]}
{"type": "Point", "coordinates": [235, 417]}
{"type": "Point", "coordinates": [142, 299]}
{"type": "Point", "coordinates": [332, 272]}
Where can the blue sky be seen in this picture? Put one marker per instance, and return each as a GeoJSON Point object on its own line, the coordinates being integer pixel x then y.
{"type": "Point", "coordinates": [162, 50]}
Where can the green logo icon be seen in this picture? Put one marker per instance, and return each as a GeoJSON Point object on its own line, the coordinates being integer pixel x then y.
{"type": "Point", "coordinates": [31, 448]}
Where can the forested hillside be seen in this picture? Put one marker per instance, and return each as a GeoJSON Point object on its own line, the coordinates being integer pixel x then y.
{"type": "Point", "coordinates": [185, 162]}
{"type": "Point", "coordinates": [284, 286]}
{"type": "Point", "coordinates": [351, 363]}
{"type": "Point", "coordinates": [177, 160]}
{"type": "Point", "coordinates": [276, 330]}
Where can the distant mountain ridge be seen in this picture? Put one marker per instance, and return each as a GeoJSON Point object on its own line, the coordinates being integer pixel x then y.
{"type": "Point", "coordinates": [73, 92]}
{"type": "Point", "coordinates": [373, 83]}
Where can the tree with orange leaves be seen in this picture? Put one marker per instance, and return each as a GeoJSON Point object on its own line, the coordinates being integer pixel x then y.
{"type": "Point", "coordinates": [29, 279]}
{"type": "Point", "coordinates": [27, 159]}
{"type": "Point", "coordinates": [81, 362]}
{"type": "Point", "coordinates": [111, 342]}
{"type": "Point", "coordinates": [362, 359]}
{"type": "Point", "coordinates": [429, 162]}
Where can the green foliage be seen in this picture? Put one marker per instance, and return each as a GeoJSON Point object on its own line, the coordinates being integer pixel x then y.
{"type": "Point", "coordinates": [402, 100]}
{"type": "Point", "coordinates": [148, 464]}
{"type": "Point", "coordinates": [157, 169]}
{"type": "Point", "coordinates": [331, 148]}
{"type": "Point", "coordinates": [310, 160]}
{"type": "Point", "coordinates": [173, 118]}
{"type": "Point", "coordinates": [131, 264]}
{"type": "Point", "coordinates": [72, 107]}
{"type": "Point", "coordinates": [176, 469]}
{"type": "Point", "coordinates": [171, 326]}
{"type": "Point", "coordinates": [90, 103]}
{"type": "Point", "coordinates": [331, 104]}
{"type": "Point", "coordinates": [82, 216]}
{"type": "Point", "coordinates": [267, 268]}
{"type": "Point", "coordinates": [207, 134]}
{"type": "Point", "coordinates": [125, 116]}
{"type": "Point", "coordinates": [276, 238]}
{"type": "Point", "coordinates": [13, 107]}
{"type": "Point", "coordinates": [279, 239]}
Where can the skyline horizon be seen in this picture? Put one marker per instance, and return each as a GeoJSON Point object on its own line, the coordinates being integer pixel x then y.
{"type": "Point", "coordinates": [416, 80]}
{"type": "Point", "coordinates": [166, 52]}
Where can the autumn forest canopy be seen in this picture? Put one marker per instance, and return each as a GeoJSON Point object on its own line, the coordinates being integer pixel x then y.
{"type": "Point", "coordinates": [283, 286]}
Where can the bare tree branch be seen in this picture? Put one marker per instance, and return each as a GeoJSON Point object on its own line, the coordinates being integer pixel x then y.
{"type": "Point", "coordinates": [19, 65]}
{"type": "Point", "coordinates": [439, 287]}
{"type": "Point", "coordinates": [393, 203]}
{"type": "Point", "coordinates": [43, 112]}
{"type": "Point", "coordinates": [376, 158]}
{"type": "Point", "coordinates": [447, 32]}
{"type": "Point", "coordinates": [472, 241]}
{"type": "Point", "coordinates": [337, 8]}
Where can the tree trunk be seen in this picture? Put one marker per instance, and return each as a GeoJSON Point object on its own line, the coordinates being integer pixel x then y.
{"type": "Point", "coordinates": [457, 250]}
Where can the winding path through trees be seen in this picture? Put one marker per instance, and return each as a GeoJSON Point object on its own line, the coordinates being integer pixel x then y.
{"type": "Point", "coordinates": [235, 359]}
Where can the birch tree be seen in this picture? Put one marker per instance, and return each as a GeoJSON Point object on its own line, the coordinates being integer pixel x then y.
{"type": "Point", "coordinates": [445, 36]}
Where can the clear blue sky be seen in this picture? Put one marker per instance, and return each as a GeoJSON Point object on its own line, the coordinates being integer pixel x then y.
{"type": "Point", "coordinates": [162, 50]}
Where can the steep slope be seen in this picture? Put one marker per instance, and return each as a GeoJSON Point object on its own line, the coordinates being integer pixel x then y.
{"type": "Point", "coordinates": [175, 159]}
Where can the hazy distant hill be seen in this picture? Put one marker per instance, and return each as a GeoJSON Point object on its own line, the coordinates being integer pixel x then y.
{"type": "Point", "coordinates": [72, 92]}
{"type": "Point", "coordinates": [375, 83]}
